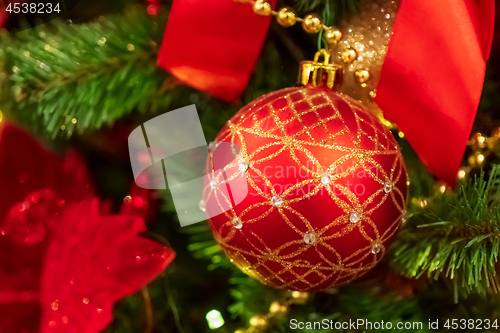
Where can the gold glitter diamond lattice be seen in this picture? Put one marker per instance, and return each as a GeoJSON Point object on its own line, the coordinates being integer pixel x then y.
{"type": "Point", "coordinates": [295, 229]}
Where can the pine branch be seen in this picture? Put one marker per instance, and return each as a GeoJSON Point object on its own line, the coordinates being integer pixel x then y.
{"type": "Point", "coordinates": [60, 78]}
{"type": "Point", "coordinates": [68, 77]}
{"type": "Point", "coordinates": [348, 303]}
{"type": "Point", "coordinates": [203, 246]}
{"type": "Point", "coordinates": [457, 238]}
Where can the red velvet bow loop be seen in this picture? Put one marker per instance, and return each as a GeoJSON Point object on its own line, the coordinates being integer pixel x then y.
{"type": "Point", "coordinates": [217, 49]}
{"type": "Point", "coordinates": [433, 74]}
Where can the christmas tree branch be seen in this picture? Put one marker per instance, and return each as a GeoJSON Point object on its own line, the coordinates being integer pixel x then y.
{"type": "Point", "coordinates": [66, 77]}
{"type": "Point", "coordinates": [60, 78]}
{"type": "Point", "coordinates": [344, 304]}
{"type": "Point", "coordinates": [456, 238]}
{"type": "Point", "coordinates": [203, 246]}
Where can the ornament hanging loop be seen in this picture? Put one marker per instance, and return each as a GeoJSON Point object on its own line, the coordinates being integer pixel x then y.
{"type": "Point", "coordinates": [322, 75]}
{"type": "Point", "coordinates": [326, 56]}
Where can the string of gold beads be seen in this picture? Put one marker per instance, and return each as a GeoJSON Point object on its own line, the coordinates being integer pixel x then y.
{"type": "Point", "coordinates": [287, 17]}
{"type": "Point", "coordinates": [311, 23]}
{"type": "Point", "coordinates": [277, 310]}
{"type": "Point", "coordinates": [482, 147]}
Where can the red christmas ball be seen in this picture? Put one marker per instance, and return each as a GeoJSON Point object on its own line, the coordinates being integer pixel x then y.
{"type": "Point", "coordinates": [327, 190]}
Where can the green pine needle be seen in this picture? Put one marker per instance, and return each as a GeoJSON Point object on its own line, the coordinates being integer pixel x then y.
{"type": "Point", "coordinates": [456, 238]}
{"type": "Point", "coordinates": [63, 77]}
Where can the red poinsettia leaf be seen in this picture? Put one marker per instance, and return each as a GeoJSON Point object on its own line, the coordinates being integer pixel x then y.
{"type": "Point", "coordinates": [34, 182]}
{"type": "Point", "coordinates": [140, 260]}
{"type": "Point", "coordinates": [20, 268]}
{"type": "Point", "coordinates": [23, 317]}
{"type": "Point", "coordinates": [23, 245]}
{"type": "Point", "coordinates": [60, 255]}
{"type": "Point", "coordinates": [25, 167]}
{"type": "Point", "coordinates": [94, 261]}
{"type": "Point", "coordinates": [22, 249]}
{"type": "Point", "coordinates": [29, 221]}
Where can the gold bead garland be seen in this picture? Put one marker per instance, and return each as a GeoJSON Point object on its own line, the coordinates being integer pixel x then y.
{"type": "Point", "coordinates": [359, 56]}
{"type": "Point", "coordinates": [287, 17]}
{"type": "Point", "coordinates": [261, 7]}
{"type": "Point", "coordinates": [482, 147]}
{"type": "Point", "coordinates": [363, 75]}
{"type": "Point", "coordinates": [300, 297]}
{"type": "Point", "coordinates": [349, 55]}
{"type": "Point", "coordinates": [277, 310]}
{"type": "Point", "coordinates": [333, 36]}
{"type": "Point", "coordinates": [259, 322]}
{"type": "Point", "coordinates": [312, 23]}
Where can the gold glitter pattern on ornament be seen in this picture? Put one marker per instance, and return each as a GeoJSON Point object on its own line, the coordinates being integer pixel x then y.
{"type": "Point", "coordinates": [295, 125]}
{"type": "Point", "coordinates": [368, 32]}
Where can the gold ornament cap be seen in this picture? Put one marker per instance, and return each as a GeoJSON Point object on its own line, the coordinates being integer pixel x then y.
{"type": "Point", "coordinates": [320, 74]}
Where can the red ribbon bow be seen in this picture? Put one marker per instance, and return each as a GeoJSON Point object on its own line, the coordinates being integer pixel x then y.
{"type": "Point", "coordinates": [430, 82]}
{"type": "Point", "coordinates": [213, 45]}
{"type": "Point", "coordinates": [433, 74]}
